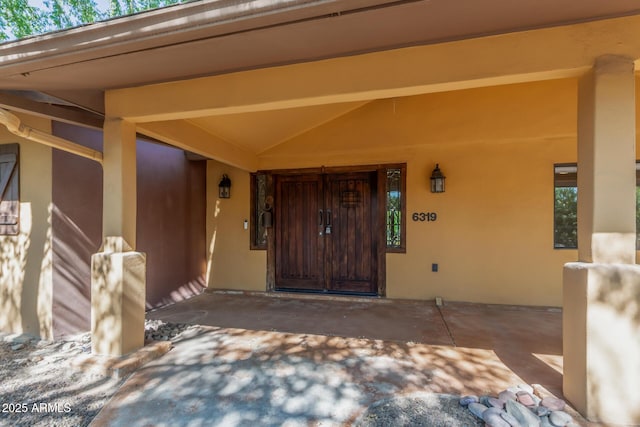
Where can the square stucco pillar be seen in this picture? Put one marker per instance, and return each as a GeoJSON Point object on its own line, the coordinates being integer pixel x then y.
{"type": "Point", "coordinates": [118, 273]}
{"type": "Point", "coordinates": [601, 292]}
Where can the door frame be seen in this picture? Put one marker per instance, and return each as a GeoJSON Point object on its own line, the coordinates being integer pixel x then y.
{"type": "Point", "coordinates": [380, 236]}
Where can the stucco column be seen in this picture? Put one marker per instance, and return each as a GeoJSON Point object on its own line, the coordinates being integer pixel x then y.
{"type": "Point", "coordinates": [601, 292]}
{"type": "Point", "coordinates": [118, 272]}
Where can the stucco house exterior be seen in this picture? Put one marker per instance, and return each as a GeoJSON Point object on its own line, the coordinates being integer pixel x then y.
{"type": "Point", "coordinates": [328, 118]}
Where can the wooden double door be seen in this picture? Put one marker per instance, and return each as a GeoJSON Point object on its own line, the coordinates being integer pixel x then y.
{"type": "Point", "coordinates": [326, 238]}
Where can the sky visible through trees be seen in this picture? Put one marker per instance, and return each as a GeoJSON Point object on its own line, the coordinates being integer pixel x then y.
{"type": "Point", "coordinates": [23, 18]}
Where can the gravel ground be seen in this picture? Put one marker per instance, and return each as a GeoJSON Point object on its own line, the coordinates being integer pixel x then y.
{"type": "Point", "coordinates": [419, 409]}
{"type": "Point", "coordinates": [39, 387]}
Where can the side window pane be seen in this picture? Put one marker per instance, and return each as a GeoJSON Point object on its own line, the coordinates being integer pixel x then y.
{"type": "Point", "coordinates": [565, 217]}
{"type": "Point", "coordinates": [637, 213]}
{"type": "Point", "coordinates": [395, 212]}
{"type": "Point", "coordinates": [258, 205]}
{"type": "Point", "coordinates": [565, 209]}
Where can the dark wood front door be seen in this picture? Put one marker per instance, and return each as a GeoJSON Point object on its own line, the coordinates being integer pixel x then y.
{"type": "Point", "coordinates": [325, 234]}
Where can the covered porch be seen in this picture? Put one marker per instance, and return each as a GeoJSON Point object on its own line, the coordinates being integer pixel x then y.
{"type": "Point", "coordinates": [497, 98]}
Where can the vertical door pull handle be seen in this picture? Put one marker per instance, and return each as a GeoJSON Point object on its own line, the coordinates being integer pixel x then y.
{"type": "Point", "coordinates": [320, 217]}
{"type": "Point", "coordinates": [328, 221]}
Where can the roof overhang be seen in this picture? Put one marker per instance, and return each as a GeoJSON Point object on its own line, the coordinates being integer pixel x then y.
{"type": "Point", "coordinates": [249, 55]}
{"type": "Point", "coordinates": [210, 37]}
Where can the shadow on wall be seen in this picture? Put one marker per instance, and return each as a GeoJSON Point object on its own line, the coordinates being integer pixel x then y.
{"type": "Point", "coordinates": [25, 291]}
{"type": "Point", "coordinates": [171, 222]}
{"type": "Point", "coordinates": [171, 225]}
{"type": "Point", "coordinates": [44, 296]}
{"type": "Point", "coordinates": [186, 291]}
{"type": "Point", "coordinates": [618, 304]}
{"type": "Point", "coordinates": [117, 326]}
{"type": "Point", "coordinates": [72, 250]}
{"type": "Point", "coordinates": [77, 229]}
{"type": "Point", "coordinates": [13, 262]}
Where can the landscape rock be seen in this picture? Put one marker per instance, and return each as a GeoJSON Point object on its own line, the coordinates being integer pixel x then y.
{"type": "Point", "coordinates": [507, 395]}
{"type": "Point", "coordinates": [510, 419]}
{"type": "Point", "coordinates": [495, 403]}
{"type": "Point", "coordinates": [536, 399]}
{"type": "Point", "coordinates": [521, 406]}
{"type": "Point", "coordinates": [541, 411]}
{"type": "Point", "coordinates": [492, 417]}
{"type": "Point", "coordinates": [520, 412]}
{"type": "Point", "coordinates": [466, 400]}
{"type": "Point", "coordinates": [560, 418]}
{"type": "Point", "coordinates": [526, 387]}
{"type": "Point", "coordinates": [537, 390]}
{"type": "Point", "coordinates": [553, 403]}
{"type": "Point", "coordinates": [477, 409]}
{"type": "Point", "coordinates": [525, 398]}
{"type": "Point", "coordinates": [544, 422]}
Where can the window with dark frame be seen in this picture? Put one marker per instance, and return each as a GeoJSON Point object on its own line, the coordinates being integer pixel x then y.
{"type": "Point", "coordinates": [395, 214]}
{"type": "Point", "coordinates": [258, 209]}
{"type": "Point", "coordinates": [565, 207]}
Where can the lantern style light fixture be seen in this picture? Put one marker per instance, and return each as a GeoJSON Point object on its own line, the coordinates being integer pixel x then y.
{"type": "Point", "coordinates": [437, 180]}
{"type": "Point", "coordinates": [224, 188]}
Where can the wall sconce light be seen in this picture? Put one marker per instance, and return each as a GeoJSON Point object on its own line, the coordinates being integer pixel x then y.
{"type": "Point", "coordinates": [224, 188]}
{"type": "Point", "coordinates": [437, 180]}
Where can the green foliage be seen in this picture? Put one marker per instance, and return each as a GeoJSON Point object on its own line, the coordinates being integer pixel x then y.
{"type": "Point", "coordinates": [18, 19]}
{"type": "Point", "coordinates": [637, 217]}
{"type": "Point", "coordinates": [566, 217]}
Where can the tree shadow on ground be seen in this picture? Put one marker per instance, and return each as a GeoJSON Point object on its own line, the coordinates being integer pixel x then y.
{"type": "Point", "coordinates": [45, 390]}
{"type": "Point", "coordinates": [224, 376]}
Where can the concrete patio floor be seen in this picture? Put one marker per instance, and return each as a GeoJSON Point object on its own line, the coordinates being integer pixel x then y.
{"type": "Point", "coordinates": [282, 359]}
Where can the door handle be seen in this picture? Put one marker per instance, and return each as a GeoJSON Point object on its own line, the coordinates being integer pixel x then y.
{"type": "Point", "coordinates": [327, 222]}
{"type": "Point", "coordinates": [320, 217]}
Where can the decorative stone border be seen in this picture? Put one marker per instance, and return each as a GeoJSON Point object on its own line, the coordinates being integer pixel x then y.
{"type": "Point", "coordinates": [519, 406]}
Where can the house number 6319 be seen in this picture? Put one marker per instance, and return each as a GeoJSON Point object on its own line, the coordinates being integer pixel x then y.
{"type": "Point", "coordinates": [424, 216]}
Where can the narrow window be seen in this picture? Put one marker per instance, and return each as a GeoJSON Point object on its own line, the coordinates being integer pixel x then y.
{"type": "Point", "coordinates": [9, 189]}
{"type": "Point", "coordinates": [395, 208]}
{"type": "Point", "coordinates": [258, 208]}
{"type": "Point", "coordinates": [565, 207]}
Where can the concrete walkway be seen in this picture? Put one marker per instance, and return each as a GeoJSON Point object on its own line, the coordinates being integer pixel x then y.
{"type": "Point", "coordinates": [260, 360]}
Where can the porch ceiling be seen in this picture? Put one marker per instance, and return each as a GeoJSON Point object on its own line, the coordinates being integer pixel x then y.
{"type": "Point", "coordinates": [259, 131]}
{"type": "Point", "coordinates": [219, 38]}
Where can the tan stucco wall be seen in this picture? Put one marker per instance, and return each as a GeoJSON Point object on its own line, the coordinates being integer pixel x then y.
{"type": "Point", "coordinates": [230, 262]}
{"type": "Point", "coordinates": [25, 259]}
{"type": "Point", "coordinates": [493, 240]}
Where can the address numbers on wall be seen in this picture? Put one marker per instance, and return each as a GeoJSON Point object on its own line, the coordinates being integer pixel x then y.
{"type": "Point", "coordinates": [424, 216]}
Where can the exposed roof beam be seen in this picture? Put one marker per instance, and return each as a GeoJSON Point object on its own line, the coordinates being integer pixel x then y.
{"type": "Point", "coordinates": [54, 112]}
{"type": "Point", "coordinates": [510, 58]}
{"type": "Point", "coordinates": [90, 100]}
{"type": "Point", "coordinates": [196, 140]}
